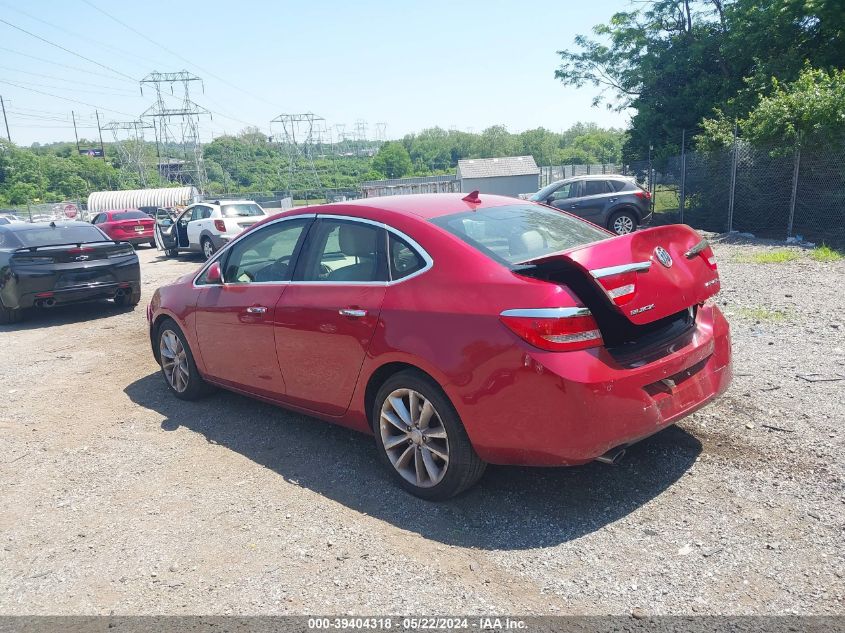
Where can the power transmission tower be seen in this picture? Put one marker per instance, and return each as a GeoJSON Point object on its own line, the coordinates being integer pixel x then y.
{"type": "Point", "coordinates": [340, 135]}
{"type": "Point", "coordinates": [381, 132]}
{"type": "Point", "coordinates": [360, 135]}
{"type": "Point", "coordinates": [298, 142]}
{"type": "Point", "coordinates": [177, 126]}
{"type": "Point", "coordinates": [131, 148]}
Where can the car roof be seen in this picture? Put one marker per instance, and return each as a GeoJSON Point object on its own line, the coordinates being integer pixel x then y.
{"type": "Point", "coordinates": [600, 177]}
{"type": "Point", "coordinates": [26, 226]}
{"type": "Point", "coordinates": [424, 205]}
{"type": "Point", "coordinates": [217, 203]}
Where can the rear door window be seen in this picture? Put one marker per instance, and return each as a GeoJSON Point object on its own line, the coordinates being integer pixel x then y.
{"type": "Point", "coordinates": [596, 187]}
{"type": "Point", "coordinates": [344, 251]}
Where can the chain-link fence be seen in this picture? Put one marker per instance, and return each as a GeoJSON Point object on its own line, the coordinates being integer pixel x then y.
{"type": "Point", "coordinates": [49, 211]}
{"type": "Point", "coordinates": [770, 192]}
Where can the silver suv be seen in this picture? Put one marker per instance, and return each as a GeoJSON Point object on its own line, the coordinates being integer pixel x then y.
{"type": "Point", "coordinates": [615, 202]}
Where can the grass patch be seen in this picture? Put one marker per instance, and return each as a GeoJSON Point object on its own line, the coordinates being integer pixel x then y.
{"type": "Point", "coordinates": [780, 256]}
{"type": "Point", "coordinates": [764, 314]}
{"type": "Point", "coordinates": [825, 253]}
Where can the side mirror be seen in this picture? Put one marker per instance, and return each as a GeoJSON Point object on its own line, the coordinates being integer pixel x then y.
{"type": "Point", "coordinates": [213, 274]}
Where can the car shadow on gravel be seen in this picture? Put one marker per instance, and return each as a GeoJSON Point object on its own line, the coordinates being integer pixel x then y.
{"type": "Point", "coordinates": [37, 318]}
{"type": "Point", "coordinates": [510, 508]}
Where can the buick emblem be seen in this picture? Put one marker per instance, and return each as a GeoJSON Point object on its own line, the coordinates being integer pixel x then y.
{"type": "Point", "coordinates": [663, 256]}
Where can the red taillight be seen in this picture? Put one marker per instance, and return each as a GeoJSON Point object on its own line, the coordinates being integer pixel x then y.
{"type": "Point", "coordinates": [643, 195]}
{"type": "Point", "coordinates": [81, 249]}
{"type": "Point", "coordinates": [709, 257]}
{"type": "Point", "coordinates": [620, 288]}
{"type": "Point", "coordinates": [554, 329]}
{"type": "Point", "coordinates": [220, 225]}
{"type": "Point", "coordinates": [43, 295]}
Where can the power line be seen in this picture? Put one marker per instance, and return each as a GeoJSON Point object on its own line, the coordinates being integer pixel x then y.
{"type": "Point", "coordinates": [175, 54]}
{"type": "Point", "coordinates": [76, 68]}
{"type": "Point", "coordinates": [119, 51]}
{"type": "Point", "coordinates": [67, 50]}
{"type": "Point", "coordinates": [73, 81]}
{"type": "Point", "coordinates": [48, 94]}
{"type": "Point", "coordinates": [75, 90]}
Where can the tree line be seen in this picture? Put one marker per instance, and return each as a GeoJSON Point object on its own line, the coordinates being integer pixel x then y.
{"type": "Point", "coordinates": [252, 162]}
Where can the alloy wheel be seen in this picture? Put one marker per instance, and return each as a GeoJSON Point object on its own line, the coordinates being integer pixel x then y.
{"type": "Point", "coordinates": [623, 225]}
{"type": "Point", "coordinates": [207, 249]}
{"type": "Point", "coordinates": [414, 438]}
{"type": "Point", "coordinates": [174, 360]}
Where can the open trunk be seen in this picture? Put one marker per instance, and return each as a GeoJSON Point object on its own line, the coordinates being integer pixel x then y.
{"type": "Point", "coordinates": [643, 288]}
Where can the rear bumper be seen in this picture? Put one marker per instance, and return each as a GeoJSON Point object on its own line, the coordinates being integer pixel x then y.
{"type": "Point", "coordinates": [568, 409]}
{"type": "Point", "coordinates": [28, 285]}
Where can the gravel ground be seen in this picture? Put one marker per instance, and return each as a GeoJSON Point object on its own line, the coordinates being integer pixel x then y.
{"type": "Point", "coordinates": [118, 498]}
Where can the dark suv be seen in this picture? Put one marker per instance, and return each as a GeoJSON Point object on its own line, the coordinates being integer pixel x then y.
{"type": "Point", "coordinates": [615, 202]}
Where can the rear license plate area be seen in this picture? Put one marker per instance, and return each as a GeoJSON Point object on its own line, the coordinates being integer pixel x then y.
{"type": "Point", "coordinates": [84, 278]}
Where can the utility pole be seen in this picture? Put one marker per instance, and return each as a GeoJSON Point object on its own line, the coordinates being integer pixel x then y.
{"type": "Point", "coordinates": [5, 120]}
{"type": "Point", "coordinates": [682, 201]}
{"type": "Point", "coordinates": [73, 116]}
{"type": "Point", "coordinates": [100, 131]}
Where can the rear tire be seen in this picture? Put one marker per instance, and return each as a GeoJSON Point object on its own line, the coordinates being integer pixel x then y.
{"type": "Point", "coordinates": [207, 247]}
{"type": "Point", "coordinates": [623, 222]}
{"type": "Point", "coordinates": [8, 316]}
{"type": "Point", "coordinates": [128, 301]}
{"type": "Point", "coordinates": [415, 458]}
{"type": "Point", "coordinates": [177, 363]}
{"type": "Point", "coordinates": [171, 252]}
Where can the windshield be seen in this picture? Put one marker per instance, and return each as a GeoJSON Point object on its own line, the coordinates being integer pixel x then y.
{"type": "Point", "coordinates": [517, 233]}
{"type": "Point", "coordinates": [129, 215]}
{"type": "Point", "coordinates": [46, 235]}
{"type": "Point", "coordinates": [545, 192]}
{"type": "Point", "coordinates": [241, 210]}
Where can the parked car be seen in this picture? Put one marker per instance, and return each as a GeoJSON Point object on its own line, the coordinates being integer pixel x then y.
{"type": "Point", "coordinates": [615, 202]}
{"type": "Point", "coordinates": [127, 225]}
{"type": "Point", "coordinates": [206, 226]}
{"type": "Point", "coordinates": [459, 331]}
{"type": "Point", "coordinates": [43, 265]}
{"type": "Point", "coordinates": [7, 217]}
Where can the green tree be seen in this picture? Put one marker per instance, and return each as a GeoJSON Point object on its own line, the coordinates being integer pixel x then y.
{"type": "Point", "coordinates": [392, 160]}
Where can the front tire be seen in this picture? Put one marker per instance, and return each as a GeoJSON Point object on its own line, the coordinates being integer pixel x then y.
{"type": "Point", "coordinates": [177, 363]}
{"type": "Point", "coordinates": [421, 440]}
{"type": "Point", "coordinates": [623, 222]}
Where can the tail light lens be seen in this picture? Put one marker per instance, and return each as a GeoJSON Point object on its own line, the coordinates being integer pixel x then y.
{"type": "Point", "coordinates": [642, 194]}
{"type": "Point", "coordinates": [80, 249]}
{"type": "Point", "coordinates": [709, 257]}
{"type": "Point", "coordinates": [554, 329]}
{"type": "Point", "coordinates": [620, 288]}
{"type": "Point", "coordinates": [220, 225]}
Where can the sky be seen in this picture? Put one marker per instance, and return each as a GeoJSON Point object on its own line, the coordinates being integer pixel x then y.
{"type": "Point", "coordinates": [464, 64]}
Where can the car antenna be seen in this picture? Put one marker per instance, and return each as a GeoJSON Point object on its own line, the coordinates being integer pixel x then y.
{"type": "Point", "coordinates": [472, 198]}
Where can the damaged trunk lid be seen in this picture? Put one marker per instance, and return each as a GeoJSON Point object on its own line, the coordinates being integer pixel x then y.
{"type": "Point", "coordinates": [645, 276]}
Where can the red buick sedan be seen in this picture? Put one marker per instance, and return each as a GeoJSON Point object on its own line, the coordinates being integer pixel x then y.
{"type": "Point", "coordinates": [458, 331]}
{"type": "Point", "coordinates": [126, 225]}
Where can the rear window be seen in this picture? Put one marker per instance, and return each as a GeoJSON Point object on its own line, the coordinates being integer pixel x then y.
{"type": "Point", "coordinates": [240, 210]}
{"type": "Point", "coordinates": [517, 233]}
{"type": "Point", "coordinates": [129, 215]}
{"type": "Point", "coordinates": [47, 235]}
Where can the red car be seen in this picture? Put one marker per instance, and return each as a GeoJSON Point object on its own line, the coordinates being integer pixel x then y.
{"type": "Point", "coordinates": [459, 331]}
{"type": "Point", "coordinates": [127, 225]}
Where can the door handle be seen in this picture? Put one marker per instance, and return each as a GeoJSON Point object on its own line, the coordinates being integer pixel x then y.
{"type": "Point", "coordinates": [256, 310]}
{"type": "Point", "coordinates": [352, 312]}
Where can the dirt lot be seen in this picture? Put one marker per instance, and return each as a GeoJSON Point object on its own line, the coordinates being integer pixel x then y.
{"type": "Point", "coordinates": [118, 498]}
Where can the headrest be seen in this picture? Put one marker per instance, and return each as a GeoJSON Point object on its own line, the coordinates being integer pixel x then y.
{"type": "Point", "coordinates": [357, 240]}
{"type": "Point", "coordinates": [526, 243]}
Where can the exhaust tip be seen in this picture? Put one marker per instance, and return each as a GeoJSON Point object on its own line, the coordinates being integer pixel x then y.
{"type": "Point", "coordinates": [613, 456]}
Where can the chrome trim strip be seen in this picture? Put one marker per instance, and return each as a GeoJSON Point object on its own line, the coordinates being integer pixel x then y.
{"type": "Point", "coordinates": [695, 250]}
{"type": "Point", "coordinates": [546, 313]}
{"type": "Point", "coordinates": [636, 267]}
